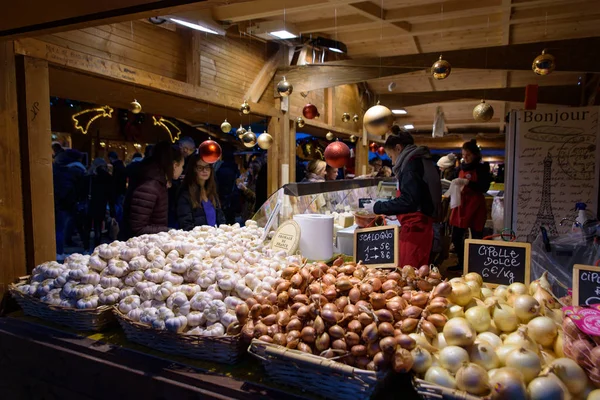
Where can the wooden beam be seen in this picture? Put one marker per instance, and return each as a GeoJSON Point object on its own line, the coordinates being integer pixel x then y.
{"type": "Point", "coordinates": [291, 145]}
{"type": "Point", "coordinates": [258, 9]}
{"type": "Point", "coordinates": [273, 165]}
{"type": "Point", "coordinates": [12, 236]}
{"type": "Point", "coordinates": [451, 9]}
{"type": "Point", "coordinates": [36, 141]}
{"type": "Point", "coordinates": [36, 17]}
{"type": "Point", "coordinates": [574, 56]}
{"type": "Point", "coordinates": [265, 75]}
{"type": "Point", "coordinates": [193, 74]}
{"type": "Point", "coordinates": [566, 95]}
{"type": "Point", "coordinates": [111, 70]}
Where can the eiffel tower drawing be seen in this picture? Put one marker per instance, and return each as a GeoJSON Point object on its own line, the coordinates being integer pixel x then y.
{"type": "Point", "coordinates": [545, 216]}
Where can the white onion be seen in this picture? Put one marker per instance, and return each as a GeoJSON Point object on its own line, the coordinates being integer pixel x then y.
{"type": "Point", "coordinates": [505, 318]}
{"type": "Point", "coordinates": [439, 342]}
{"type": "Point", "coordinates": [507, 384]}
{"type": "Point", "coordinates": [571, 374]}
{"type": "Point", "coordinates": [479, 317]}
{"type": "Point", "coordinates": [492, 300]}
{"type": "Point", "coordinates": [547, 356]}
{"type": "Point", "coordinates": [521, 338]}
{"type": "Point", "coordinates": [486, 292]}
{"type": "Point", "coordinates": [501, 291]}
{"type": "Point", "coordinates": [421, 360]}
{"type": "Point", "coordinates": [491, 338]}
{"type": "Point", "coordinates": [594, 395]}
{"type": "Point", "coordinates": [493, 329]}
{"type": "Point", "coordinates": [422, 341]}
{"type": "Point", "coordinates": [503, 351]}
{"type": "Point", "coordinates": [475, 289]}
{"type": "Point", "coordinates": [547, 387]}
{"type": "Point", "coordinates": [452, 358]}
{"type": "Point", "coordinates": [526, 307]}
{"type": "Point", "coordinates": [474, 277]}
{"type": "Point", "coordinates": [526, 361]}
{"type": "Point", "coordinates": [455, 311]}
{"type": "Point", "coordinates": [440, 376]}
{"type": "Point", "coordinates": [461, 293]}
{"type": "Point", "coordinates": [492, 372]}
{"type": "Point", "coordinates": [559, 345]}
{"type": "Point", "coordinates": [459, 332]}
{"type": "Point", "coordinates": [483, 354]}
{"type": "Point", "coordinates": [472, 379]}
{"type": "Point", "coordinates": [543, 330]}
{"type": "Point", "coordinates": [517, 288]}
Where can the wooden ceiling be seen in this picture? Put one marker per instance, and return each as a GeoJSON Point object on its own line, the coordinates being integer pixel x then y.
{"type": "Point", "coordinates": [385, 28]}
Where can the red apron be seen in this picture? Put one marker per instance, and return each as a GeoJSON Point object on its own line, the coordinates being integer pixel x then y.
{"type": "Point", "coordinates": [472, 212]}
{"type": "Point", "coordinates": [416, 238]}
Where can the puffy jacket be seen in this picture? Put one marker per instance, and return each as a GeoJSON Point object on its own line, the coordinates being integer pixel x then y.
{"type": "Point", "coordinates": [190, 217]}
{"type": "Point", "coordinates": [146, 204]}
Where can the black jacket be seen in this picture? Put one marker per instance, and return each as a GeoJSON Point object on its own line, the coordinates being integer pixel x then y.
{"type": "Point", "coordinates": [484, 176]}
{"type": "Point", "coordinates": [68, 183]}
{"type": "Point", "coordinates": [189, 217]}
{"type": "Point", "coordinates": [119, 178]}
{"type": "Point", "coordinates": [101, 193]}
{"type": "Point", "coordinates": [414, 193]}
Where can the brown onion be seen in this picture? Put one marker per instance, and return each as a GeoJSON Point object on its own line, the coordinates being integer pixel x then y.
{"type": "Point", "coordinates": [365, 290]}
{"type": "Point", "coordinates": [437, 308]}
{"type": "Point", "coordinates": [406, 295]}
{"type": "Point", "coordinates": [255, 311]}
{"type": "Point", "coordinates": [318, 299]}
{"type": "Point", "coordinates": [332, 271]}
{"type": "Point", "coordinates": [308, 334]}
{"type": "Point", "coordinates": [384, 315]}
{"type": "Point", "coordinates": [347, 269]}
{"type": "Point", "coordinates": [406, 342]}
{"type": "Point", "coordinates": [375, 284]}
{"type": "Point", "coordinates": [341, 303]}
{"type": "Point", "coordinates": [328, 279]}
{"type": "Point", "coordinates": [424, 285]}
{"type": "Point", "coordinates": [301, 298]}
{"type": "Point", "coordinates": [330, 306]}
{"type": "Point", "coordinates": [330, 293]}
{"type": "Point", "coordinates": [363, 303]}
{"type": "Point", "coordinates": [304, 348]}
{"type": "Point", "coordinates": [329, 353]}
{"type": "Point", "coordinates": [388, 344]}
{"type": "Point", "coordinates": [314, 288]}
{"type": "Point", "coordinates": [365, 319]}
{"type": "Point", "coordinates": [370, 333]}
{"type": "Point", "coordinates": [269, 319]}
{"type": "Point", "coordinates": [351, 309]}
{"type": "Point", "coordinates": [329, 316]}
{"type": "Point", "coordinates": [273, 329]}
{"type": "Point", "coordinates": [305, 273]}
{"type": "Point", "coordinates": [297, 280]}
{"type": "Point", "coordinates": [397, 332]}
{"type": "Point", "coordinates": [248, 331]}
{"type": "Point", "coordinates": [266, 338]}
{"type": "Point", "coordinates": [362, 362]}
{"type": "Point", "coordinates": [272, 298]}
{"type": "Point", "coordinates": [428, 329]}
{"type": "Point", "coordinates": [251, 301]}
{"type": "Point", "coordinates": [355, 326]}
{"type": "Point", "coordinates": [377, 300]}
{"type": "Point", "coordinates": [438, 320]}
{"type": "Point", "coordinates": [295, 307]}
{"type": "Point", "coordinates": [385, 329]}
{"type": "Point", "coordinates": [358, 350]}
{"type": "Point", "coordinates": [316, 272]}
{"type": "Point", "coordinates": [293, 292]}
{"type": "Point", "coordinates": [260, 329]}
{"type": "Point", "coordinates": [373, 348]}
{"type": "Point", "coordinates": [359, 273]}
{"type": "Point", "coordinates": [336, 332]}
{"type": "Point", "coordinates": [442, 290]}
{"type": "Point", "coordinates": [409, 325]}
{"type": "Point", "coordinates": [289, 271]}
{"type": "Point", "coordinates": [395, 276]}
{"type": "Point", "coordinates": [234, 328]}
{"type": "Point", "coordinates": [412, 312]}
{"type": "Point", "coordinates": [292, 339]}
{"type": "Point", "coordinates": [390, 285]}
{"type": "Point", "coordinates": [319, 325]}
{"type": "Point", "coordinates": [241, 312]}
{"type": "Point", "coordinates": [303, 312]}
{"type": "Point", "coordinates": [280, 339]}
{"type": "Point", "coordinates": [389, 294]}
{"type": "Point", "coordinates": [339, 344]}
{"type": "Point", "coordinates": [354, 295]}
{"type": "Point", "coordinates": [380, 362]}
{"type": "Point", "coordinates": [294, 325]}
{"type": "Point", "coordinates": [282, 299]}
{"type": "Point", "coordinates": [322, 342]}
{"type": "Point", "coordinates": [423, 271]}
{"type": "Point", "coordinates": [403, 361]}
{"type": "Point", "coordinates": [343, 285]}
{"type": "Point", "coordinates": [351, 338]}
{"type": "Point", "coordinates": [338, 262]}
{"type": "Point", "coordinates": [419, 299]}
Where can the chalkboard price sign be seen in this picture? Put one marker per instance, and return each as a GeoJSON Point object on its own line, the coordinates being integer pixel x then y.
{"type": "Point", "coordinates": [586, 285]}
{"type": "Point", "coordinates": [377, 247]}
{"type": "Point", "coordinates": [498, 263]}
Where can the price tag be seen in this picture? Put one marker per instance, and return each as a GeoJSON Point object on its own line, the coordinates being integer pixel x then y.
{"type": "Point", "coordinates": [586, 285]}
{"type": "Point", "coordinates": [498, 263]}
{"type": "Point", "coordinates": [377, 247]}
{"type": "Point", "coordinates": [287, 237]}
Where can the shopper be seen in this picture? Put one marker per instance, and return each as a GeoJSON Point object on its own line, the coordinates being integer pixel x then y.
{"type": "Point", "coordinates": [261, 184]}
{"type": "Point", "coordinates": [101, 190]}
{"type": "Point", "coordinates": [475, 178]}
{"type": "Point", "coordinates": [376, 163]}
{"type": "Point", "coordinates": [147, 202]}
{"type": "Point", "coordinates": [229, 194]}
{"type": "Point", "coordinates": [119, 183]}
{"type": "Point", "coordinates": [56, 149]}
{"type": "Point", "coordinates": [418, 198]}
{"type": "Point", "coordinates": [77, 217]}
{"type": "Point", "coordinates": [198, 201]}
{"type": "Point", "coordinates": [247, 186]}
{"type": "Point", "coordinates": [316, 171]}
{"type": "Point", "coordinates": [132, 170]}
{"type": "Point", "coordinates": [331, 173]}
{"type": "Point", "coordinates": [447, 165]}
{"type": "Point", "coordinates": [65, 198]}
{"type": "Point", "coordinates": [188, 147]}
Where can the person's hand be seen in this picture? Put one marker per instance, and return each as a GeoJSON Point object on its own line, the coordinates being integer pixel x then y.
{"type": "Point", "coordinates": [369, 207]}
{"type": "Point", "coordinates": [241, 185]}
{"type": "Point", "coordinates": [461, 181]}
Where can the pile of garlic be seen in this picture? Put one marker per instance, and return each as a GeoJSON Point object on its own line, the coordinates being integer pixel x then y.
{"type": "Point", "coordinates": [188, 282]}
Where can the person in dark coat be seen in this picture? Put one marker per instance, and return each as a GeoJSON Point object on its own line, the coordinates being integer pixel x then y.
{"type": "Point", "coordinates": [198, 201]}
{"type": "Point", "coordinates": [65, 198]}
{"type": "Point", "coordinates": [102, 193]}
{"type": "Point", "coordinates": [418, 200]}
{"type": "Point", "coordinates": [475, 178]}
{"type": "Point", "coordinates": [229, 194]}
{"type": "Point", "coordinates": [147, 201]}
{"type": "Point", "coordinates": [132, 170]}
{"type": "Point", "coordinates": [119, 183]}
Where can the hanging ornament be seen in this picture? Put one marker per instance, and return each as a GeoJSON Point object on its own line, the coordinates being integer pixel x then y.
{"type": "Point", "coordinates": [240, 132]}
{"type": "Point", "coordinates": [337, 154]}
{"type": "Point", "coordinates": [441, 69]}
{"type": "Point", "coordinates": [353, 139]}
{"type": "Point", "coordinates": [135, 107]}
{"type": "Point", "coordinates": [209, 151]}
{"type": "Point", "coordinates": [483, 112]}
{"type": "Point", "coordinates": [249, 139]}
{"type": "Point", "coordinates": [355, 118]}
{"type": "Point", "coordinates": [300, 122]}
{"type": "Point", "coordinates": [265, 141]}
{"type": "Point", "coordinates": [310, 111]}
{"type": "Point", "coordinates": [330, 136]}
{"type": "Point", "coordinates": [225, 126]}
{"type": "Point", "coordinates": [345, 117]}
{"type": "Point", "coordinates": [378, 120]}
{"type": "Point", "coordinates": [381, 151]}
{"type": "Point", "coordinates": [245, 107]}
{"type": "Point", "coordinates": [284, 88]}
{"type": "Point", "coordinates": [373, 147]}
{"type": "Point", "coordinates": [543, 64]}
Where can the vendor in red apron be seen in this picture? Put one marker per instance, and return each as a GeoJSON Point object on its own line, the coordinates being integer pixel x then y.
{"type": "Point", "coordinates": [474, 177]}
{"type": "Point", "coordinates": [419, 195]}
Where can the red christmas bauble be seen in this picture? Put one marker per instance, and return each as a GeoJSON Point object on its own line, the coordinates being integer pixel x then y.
{"type": "Point", "coordinates": [209, 151]}
{"type": "Point", "coordinates": [337, 154]}
{"type": "Point", "coordinates": [310, 111]}
{"type": "Point", "coordinates": [381, 151]}
{"type": "Point", "coordinates": [373, 147]}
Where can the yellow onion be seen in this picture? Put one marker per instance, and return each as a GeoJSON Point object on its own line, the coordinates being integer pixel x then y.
{"type": "Point", "coordinates": [516, 289]}
{"type": "Point", "coordinates": [461, 293]}
{"type": "Point", "coordinates": [571, 374]}
{"type": "Point", "coordinates": [455, 311]}
{"type": "Point", "coordinates": [594, 395]}
{"type": "Point", "coordinates": [474, 277]}
{"type": "Point", "coordinates": [439, 341]}
{"type": "Point", "coordinates": [475, 289]}
{"type": "Point", "coordinates": [421, 360]}
{"type": "Point", "coordinates": [547, 356]}
{"type": "Point", "coordinates": [543, 330]}
{"type": "Point", "coordinates": [507, 384]}
{"type": "Point", "coordinates": [459, 332]}
{"type": "Point", "coordinates": [503, 351]}
{"type": "Point", "coordinates": [422, 341]}
{"type": "Point", "coordinates": [526, 361]}
{"type": "Point", "coordinates": [559, 345]}
{"type": "Point", "coordinates": [541, 282]}
{"type": "Point", "coordinates": [439, 376]}
{"type": "Point", "coordinates": [491, 338]}
{"type": "Point", "coordinates": [505, 318]}
{"type": "Point", "coordinates": [526, 307]}
{"type": "Point", "coordinates": [483, 354]}
{"type": "Point", "coordinates": [479, 317]}
{"type": "Point", "coordinates": [547, 387]}
{"type": "Point", "coordinates": [472, 379]}
{"type": "Point", "coordinates": [522, 338]}
{"type": "Point", "coordinates": [452, 358]}
{"type": "Point", "coordinates": [486, 292]}
{"type": "Point", "coordinates": [545, 298]}
{"type": "Point", "coordinates": [501, 291]}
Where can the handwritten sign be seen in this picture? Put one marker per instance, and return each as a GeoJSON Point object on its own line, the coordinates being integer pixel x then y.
{"type": "Point", "coordinates": [287, 237]}
{"type": "Point", "coordinates": [377, 247]}
{"type": "Point", "coordinates": [499, 263]}
{"type": "Point", "coordinates": [586, 285]}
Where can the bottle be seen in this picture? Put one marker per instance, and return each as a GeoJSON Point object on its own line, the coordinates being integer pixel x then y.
{"type": "Point", "coordinates": [582, 217]}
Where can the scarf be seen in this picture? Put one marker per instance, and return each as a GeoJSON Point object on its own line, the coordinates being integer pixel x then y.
{"type": "Point", "coordinates": [408, 153]}
{"type": "Point", "coordinates": [310, 177]}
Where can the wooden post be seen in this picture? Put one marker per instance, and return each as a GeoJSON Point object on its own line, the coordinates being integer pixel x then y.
{"type": "Point", "coordinates": [292, 149]}
{"type": "Point", "coordinates": [362, 155]}
{"type": "Point", "coordinates": [273, 162]}
{"type": "Point", "coordinates": [192, 58]}
{"type": "Point", "coordinates": [12, 237]}
{"type": "Point", "coordinates": [35, 133]}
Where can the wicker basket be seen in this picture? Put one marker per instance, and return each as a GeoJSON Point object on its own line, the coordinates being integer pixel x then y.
{"type": "Point", "coordinates": [222, 349]}
{"type": "Point", "coordinates": [316, 374]}
{"type": "Point", "coordinates": [81, 320]}
{"type": "Point", "coordinates": [431, 391]}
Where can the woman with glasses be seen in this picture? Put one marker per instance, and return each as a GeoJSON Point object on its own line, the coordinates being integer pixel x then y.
{"type": "Point", "coordinates": [198, 201]}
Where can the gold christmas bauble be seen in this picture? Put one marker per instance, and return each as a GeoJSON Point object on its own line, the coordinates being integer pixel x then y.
{"type": "Point", "coordinates": [330, 136]}
{"type": "Point", "coordinates": [353, 139]}
{"type": "Point", "coordinates": [355, 118]}
{"type": "Point", "coordinates": [135, 107]}
{"type": "Point", "coordinates": [441, 69]}
{"type": "Point", "coordinates": [543, 64]}
{"type": "Point", "coordinates": [225, 127]}
{"type": "Point", "coordinates": [249, 139]}
{"type": "Point", "coordinates": [245, 107]}
{"type": "Point", "coordinates": [240, 132]}
{"type": "Point", "coordinates": [265, 141]}
{"type": "Point", "coordinates": [345, 117]}
{"type": "Point", "coordinates": [378, 120]}
{"type": "Point", "coordinates": [483, 112]}
{"type": "Point", "coordinates": [284, 88]}
{"type": "Point", "coordinates": [300, 122]}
